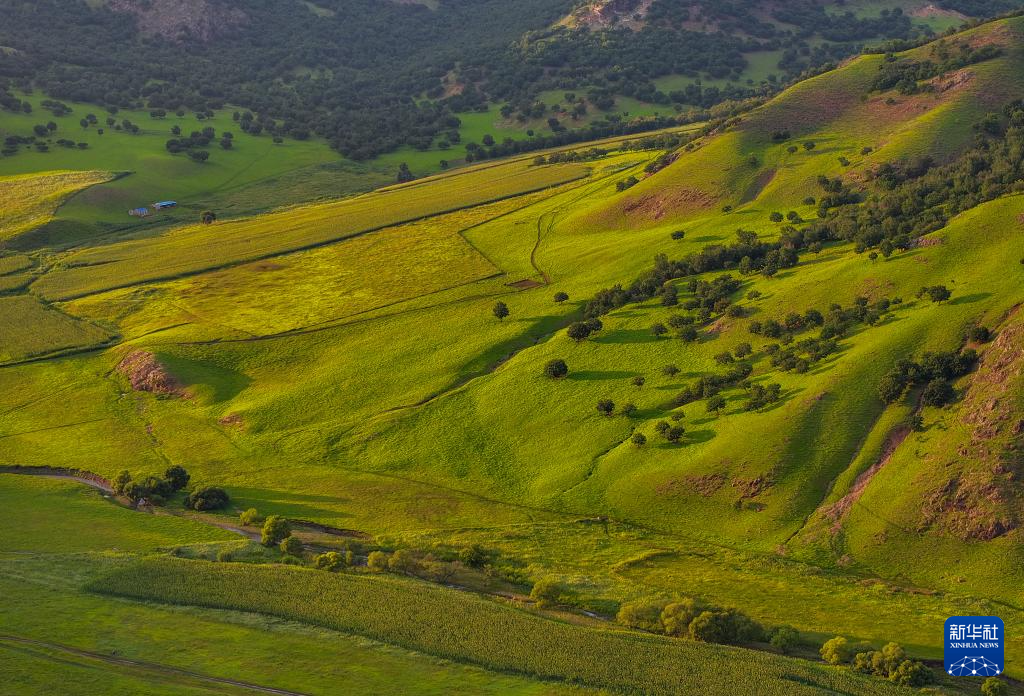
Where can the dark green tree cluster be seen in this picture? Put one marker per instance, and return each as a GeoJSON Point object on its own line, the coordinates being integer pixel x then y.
{"type": "Point", "coordinates": [904, 75]}
{"type": "Point", "coordinates": [155, 490]}
{"type": "Point", "coordinates": [891, 662]}
{"type": "Point", "coordinates": [934, 371]}
{"type": "Point", "coordinates": [688, 618]}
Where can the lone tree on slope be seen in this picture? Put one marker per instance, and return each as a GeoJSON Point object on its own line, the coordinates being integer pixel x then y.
{"type": "Point", "coordinates": [556, 369]}
{"type": "Point", "coordinates": [500, 310]}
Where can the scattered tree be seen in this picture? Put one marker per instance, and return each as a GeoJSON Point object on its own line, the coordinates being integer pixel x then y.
{"type": "Point", "coordinates": [556, 369]}
{"type": "Point", "coordinates": [208, 498]}
{"type": "Point", "coordinates": [208, 217]}
{"type": "Point", "coordinates": [250, 517]}
{"type": "Point", "coordinates": [291, 546]}
{"type": "Point", "coordinates": [377, 561]}
{"type": "Point", "coordinates": [330, 561]}
{"type": "Point", "coordinates": [500, 310]}
{"type": "Point", "coordinates": [561, 297]}
{"type": "Point", "coordinates": [275, 530]}
{"type": "Point", "coordinates": [605, 407]}
{"type": "Point", "coordinates": [638, 440]}
{"type": "Point", "coordinates": [547, 592]}
{"type": "Point", "coordinates": [784, 639]}
{"type": "Point", "coordinates": [638, 381]}
{"type": "Point", "coordinates": [993, 686]}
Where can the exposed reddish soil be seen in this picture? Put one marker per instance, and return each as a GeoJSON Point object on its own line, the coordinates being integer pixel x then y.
{"type": "Point", "coordinates": [982, 501]}
{"type": "Point", "coordinates": [654, 206]}
{"type": "Point", "coordinates": [706, 485]}
{"type": "Point", "coordinates": [971, 507]}
{"type": "Point", "coordinates": [931, 10]}
{"type": "Point", "coordinates": [182, 20]}
{"type": "Point", "coordinates": [837, 511]}
{"type": "Point", "coordinates": [602, 14]}
{"type": "Point", "coordinates": [232, 420]}
{"type": "Point", "coordinates": [146, 373]}
{"type": "Point", "coordinates": [524, 284]}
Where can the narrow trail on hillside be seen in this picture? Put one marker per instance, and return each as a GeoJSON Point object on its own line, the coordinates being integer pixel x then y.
{"type": "Point", "coordinates": [157, 669]}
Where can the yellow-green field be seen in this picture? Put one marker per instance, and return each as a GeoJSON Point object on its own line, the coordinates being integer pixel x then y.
{"type": "Point", "coordinates": [342, 363]}
{"type": "Point", "coordinates": [28, 328]}
{"type": "Point", "coordinates": [29, 201]}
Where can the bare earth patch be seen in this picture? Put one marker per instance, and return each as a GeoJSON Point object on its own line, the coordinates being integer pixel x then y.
{"type": "Point", "coordinates": [525, 284]}
{"type": "Point", "coordinates": [654, 206]}
{"type": "Point", "coordinates": [146, 373]}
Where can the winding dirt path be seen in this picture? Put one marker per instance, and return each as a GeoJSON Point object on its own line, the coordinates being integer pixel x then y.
{"type": "Point", "coordinates": [153, 667]}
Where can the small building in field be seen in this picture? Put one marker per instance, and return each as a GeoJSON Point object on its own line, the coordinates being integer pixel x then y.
{"type": "Point", "coordinates": [139, 212]}
{"type": "Point", "coordinates": [164, 205]}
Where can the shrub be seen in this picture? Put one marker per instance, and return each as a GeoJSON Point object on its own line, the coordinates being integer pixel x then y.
{"type": "Point", "coordinates": [275, 529]}
{"type": "Point", "coordinates": [500, 310]}
{"type": "Point", "coordinates": [377, 561]}
{"type": "Point", "coordinates": [724, 626]}
{"type": "Point", "coordinates": [994, 687]}
{"type": "Point", "coordinates": [291, 546]}
{"type": "Point", "coordinates": [224, 556]}
{"type": "Point", "coordinates": [784, 638]}
{"type": "Point", "coordinates": [250, 518]}
{"type": "Point", "coordinates": [638, 439]}
{"type": "Point", "coordinates": [938, 393]}
{"type": "Point", "coordinates": [330, 561]}
{"type": "Point", "coordinates": [677, 616]}
{"type": "Point", "coordinates": [628, 410]}
{"type": "Point", "coordinates": [644, 614]}
{"type": "Point", "coordinates": [561, 297]}
{"type": "Point", "coordinates": [208, 498]}
{"type": "Point", "coordinates": [547, 592]}
{"type": "Point", "coordinates": [605, 407]}
{"type": "Point", "coordinates": [402, 561]}
{"type": "Point", "coordinates": [980, 334]}
{"type": "Point", "coordinates": [836, 651]}
{"type": "Point", "coordinates": [474, 556]}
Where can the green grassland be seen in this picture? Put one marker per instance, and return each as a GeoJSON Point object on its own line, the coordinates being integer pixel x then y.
{"type": "Point", "coordinates": [29, 328]}
{"type": "Point", "coordinates": [29, 201]}
{"type": "Point", "coordinates": [255, 175]}
{"type": "Point", "coordinates": [458, 626]}
{"type": "Point", "coordinates": [342, 365]}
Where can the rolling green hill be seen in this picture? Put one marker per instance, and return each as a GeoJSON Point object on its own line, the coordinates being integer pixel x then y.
{"type": "Point", "coordinates": [792, 386]}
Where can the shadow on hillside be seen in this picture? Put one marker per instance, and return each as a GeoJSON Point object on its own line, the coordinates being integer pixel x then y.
{"type": "Point", "coordinates": [620, 336]}
{"type": "Point", "coordinates": [293, 505]}
{"type": "Point", "coordinates": [596, 375]}
{"type": "Point", "coordinates": [970, 299]}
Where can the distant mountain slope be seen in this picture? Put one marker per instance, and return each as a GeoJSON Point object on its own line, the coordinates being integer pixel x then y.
{"type": "Point", "coordinates": [372, 76]}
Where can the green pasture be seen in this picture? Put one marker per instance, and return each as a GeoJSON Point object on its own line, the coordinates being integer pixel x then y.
{"type": "Point", "coordinates": [43, 591]}
{"type": "Point", "coordinates": [29, 328]}
{"type": "Point", "coordinates": [343, 365]}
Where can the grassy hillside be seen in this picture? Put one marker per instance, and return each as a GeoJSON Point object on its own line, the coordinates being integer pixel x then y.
{"type": "Point", "coordinates": [342, 363]}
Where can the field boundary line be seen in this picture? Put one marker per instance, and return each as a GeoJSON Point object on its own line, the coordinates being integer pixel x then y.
{"type": "Point", "coordinates": [147, 666]}
{"type": "Point", "coordinates": [309, 246]}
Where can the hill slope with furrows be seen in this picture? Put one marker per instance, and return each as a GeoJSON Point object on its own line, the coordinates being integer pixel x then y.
{"type": "Point", "coordinates": [773, 363]}
{"type": "Point", "coordinates": [844, 112]}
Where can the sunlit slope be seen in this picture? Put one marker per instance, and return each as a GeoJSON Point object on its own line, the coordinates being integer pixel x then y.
{"type": "Point", "coordinates": [196, 248]}
{"type": "Point", "coordinates": [745, 476]}
{"type": "Point", "coordinates": [29, 201]}
{"type": "Point", "coordinates": [750, 166]}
